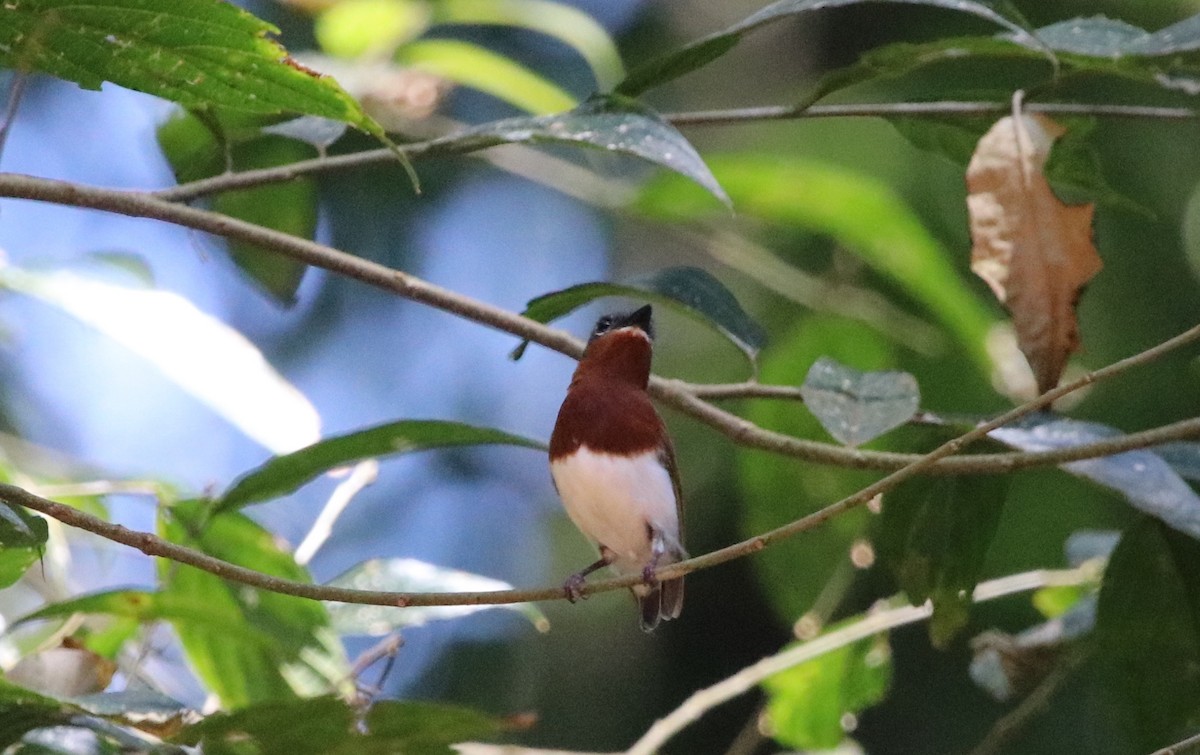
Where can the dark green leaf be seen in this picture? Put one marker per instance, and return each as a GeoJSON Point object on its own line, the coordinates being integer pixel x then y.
{"type": "Point", "coordinates": [194, 151]}
{"type": "Point", "coordinates": [269, 646]}
{"type": "Point", "coordinates": [22, 711]}
{"type": "Point", "coordinates": [856, 210]}
{"type": "Point", "coordinates": [22, 536]}
{"type": "Point", "coordinates": [1146, 481]}
{"type": "Point", "coordinates": [687, 289]}
{"type": "Point", "coordinates": [608, 122]}
{"type": "Point", "coordinates": [934, 535]}
{"type": "Point", "coordinates": [327, 725]}
{"type": "Point", "coordinates": [411, 575]}
{"type": "Point", "coordinates": [776, 490]}
{"type": "Point", "coordinates": [692, 56]}
{"type": "Point", "coordinates": [1149, 631]}
{"type": "Point", "coordinates": [855, 406]}
{"type": "Point", "coordinates": [808, 703]}
{"type": "Point", "coordinates": [198, 53]}
{"type": "Point", "coordinates": [283, 474]}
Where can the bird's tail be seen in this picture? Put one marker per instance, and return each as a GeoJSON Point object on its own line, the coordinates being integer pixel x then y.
{"type": "Point", "coordinates": [661, 601]}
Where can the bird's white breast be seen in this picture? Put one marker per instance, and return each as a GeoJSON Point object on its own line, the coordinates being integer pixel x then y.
{"type": "Point", "coordinates": [612, 499]}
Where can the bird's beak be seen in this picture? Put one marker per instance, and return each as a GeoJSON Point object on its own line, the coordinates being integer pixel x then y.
{"type": "Point", "coordinates": [641, 318]}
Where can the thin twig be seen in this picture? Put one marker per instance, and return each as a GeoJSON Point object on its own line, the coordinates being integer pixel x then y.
{"type": "Point", "coordinates": [155, 546]}
{"type": "Point", "coordinates": [886, 620]}
{"type": "Point", "coordinates": [453, 145]}
{"type": "Point", "coordinates": [1191, 744]}
{"type": "Point", "coordinates": [740, 430]}
{"type": "Point", "coordinates": [10, 109]}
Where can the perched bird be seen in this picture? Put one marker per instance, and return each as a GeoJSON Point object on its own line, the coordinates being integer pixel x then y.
{"type": "Point", "coordinates": [614, 466]}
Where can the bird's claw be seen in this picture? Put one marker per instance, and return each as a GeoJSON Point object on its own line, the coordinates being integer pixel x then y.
{"type": "Point", "coordinates": [573, 587]}
{"type": "Point", "coordinates": [649, 574]}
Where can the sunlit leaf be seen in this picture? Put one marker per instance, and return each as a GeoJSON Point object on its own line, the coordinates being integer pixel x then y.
{"type": "Point", "coordinates": [857, 211]}
{"type": "Point", "coordinates": [696, 54]}
{"type": "Point", "coordinates": [1149, 631]}
{"type": "Point", "coordinates": [615, 124]}
{"type": "Point", "coordinates": [1034, 251]}
{"type": "Point", "coordinates": [489, 72]}
{"type": "Point", "coordinates": [808, 703]}
{"type": "Point", "coordinates": [205, 357]}
{"type": "Point", "coordinates": [22, 538]}
{"type": "Point", "coordinates": [283, 474]}
{"type": "Point", "coordinates": [855, 406]}
{"type": "Point", "coordinates": [563, 22]}
{"type": "Point", "coordinates": [198, 53]}
{"type": "Point", "coordinates": [358, 28]}
{"type": "Point", "coordinates": [1108, 38]}
{"type": "Point", "coordinates": [412, 575]}
{"type": "Point", "coordinates": [690, 290]}
{"type": "Point", "coordinates": [141, 605]}
{"type": "Point", "coordinates": [934, 536]}
{"type": "Point", "coordinates": [1146, 481]}
{"type": "Point", "coordinates": [1184, 458]}
{"type": "Point", "coordinates": [270, 647]}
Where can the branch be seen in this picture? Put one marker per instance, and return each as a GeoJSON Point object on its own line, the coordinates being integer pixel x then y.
{"type": "Point", "coordinates": [155, 546]}
{"type": "Point", "coordinates": [456, 145]}
{"type": "Point", "coordinates": [750, 677]}
{"type": "Point", "coordinates": [741, 431]}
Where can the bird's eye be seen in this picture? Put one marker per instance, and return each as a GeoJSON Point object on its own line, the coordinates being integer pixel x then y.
{"type": "Point", "coordinates": [603, 324]}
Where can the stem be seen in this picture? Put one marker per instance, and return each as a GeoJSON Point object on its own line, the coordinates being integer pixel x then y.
{"type": "Point", "coordinates": [750, 677]}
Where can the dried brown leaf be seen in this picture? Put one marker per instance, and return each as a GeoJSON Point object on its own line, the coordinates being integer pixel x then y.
{"type": "Point", "coordinates": [1034, 251]}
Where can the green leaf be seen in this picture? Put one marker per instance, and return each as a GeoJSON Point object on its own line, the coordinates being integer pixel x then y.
{"type": "Point", "coordinates": [855, 406]}
{"type": "Point", "coordinates": [489, 72]}
{"type": "Point", "coordinates": [284, 474]}
{"type": "Point", "coordinates": [689, 290]}
{"type": "Point", "coordinates": [1184, 458]}
{"type": "Point", "coordinates": [22, 711]}
{"type": "Point", "coordinates": [808, 703]}
{"type": "Point", "coordinates": [199, 53]}
{"type": "Point", "coordinates": [1107, 38]}
{"type": "Point", "coordinates": [411, 575]}
{"type": "Point", "coordinates": [141, 605]}
{"type": "Point", "coordinates": [362, 28]}
{"type": "Point", "coordinates": [563, 22]}
{"type": "Point", "coordinates": [934, 535]}
{"type": "Point", "coordinates": [776, 490]}
{"type": "Point", "coordinates": [696, 54]}
{"type": "Point", "coordinates": [22, 537]}
{"type": "Point", "coordinates": [1149, 632]}
{"type": "Point", "coordinates": [328, 725]}
{"type": "Point", "coordinates": [856, 210]}
{"type": "Point", "coordinates": [199, 353]}
{"type": "Point", "coordinates": [191, 146]}
{"type": "Point", "coordinates": [615, 124]}
{"type": "Point", "coordinates": [268, 646]}
{"type": "Point", "coordinates": [1146, 481]}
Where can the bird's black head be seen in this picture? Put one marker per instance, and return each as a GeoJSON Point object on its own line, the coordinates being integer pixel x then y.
{"type": "Point", "coordinates": [639, 318]}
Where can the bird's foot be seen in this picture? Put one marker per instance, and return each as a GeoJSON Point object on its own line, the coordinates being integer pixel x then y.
{"type": "Point", "coordinates": [573, 587]}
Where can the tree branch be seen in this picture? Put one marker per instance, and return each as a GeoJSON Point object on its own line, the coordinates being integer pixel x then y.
{"type": "Point", "coordinates": [875, 623]}
{"type": "Point", "coordinates": [453, 144]}
{"type": "Point", "coordinates": [741, 431]}
{"type": "Point", "coordinates": [154, 546]}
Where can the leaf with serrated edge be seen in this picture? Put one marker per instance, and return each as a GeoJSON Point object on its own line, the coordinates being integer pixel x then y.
{"type": "Point", "coordinates": [855, 406]}
{"type": "Point", "coordinates": [1035, 252]}
{"type": "Point", "coordinates": [687, 289]}
{"type": "Point", "coordinates": [412, 575]}
{"type": "Point", "coordinates": [198, 53]}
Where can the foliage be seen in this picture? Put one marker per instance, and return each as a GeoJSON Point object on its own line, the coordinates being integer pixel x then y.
{"type": "Point", "coordinates": [845, 244]}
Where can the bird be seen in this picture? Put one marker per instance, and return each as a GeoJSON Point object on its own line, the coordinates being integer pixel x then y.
{"type": "Point", "coordinates": [613, 465]}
